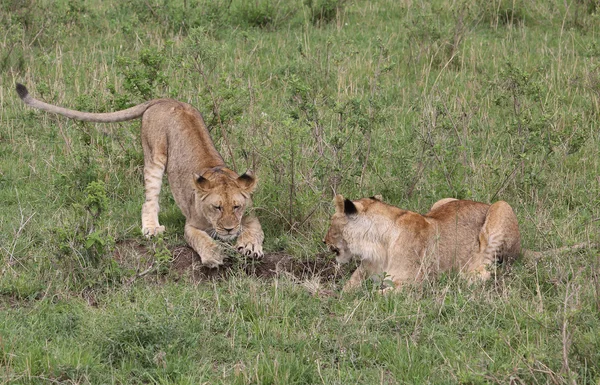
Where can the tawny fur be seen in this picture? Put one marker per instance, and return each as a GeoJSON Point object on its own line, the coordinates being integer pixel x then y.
{"type": "Point", "coordinates": [455, 234]}
{"type": "Point", "coordinates": [212, 197]}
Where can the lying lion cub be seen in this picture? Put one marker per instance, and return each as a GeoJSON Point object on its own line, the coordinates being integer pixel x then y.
{"type": "Point", "coordinates": [454, 234]}
{"type": "Point", "coordinates": [212, 197]}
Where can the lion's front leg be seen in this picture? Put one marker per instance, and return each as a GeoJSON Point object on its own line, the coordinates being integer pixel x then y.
{"type": "Point", "coordinates": [202, 243]}
{"type": "Point", "coordinates": [356, 279]}
{"type": "Point", "coordinates": [154, 170]}
{"type": "Point", "coordinates": [251, 238]}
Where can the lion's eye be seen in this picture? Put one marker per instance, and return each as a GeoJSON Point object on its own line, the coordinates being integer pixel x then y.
{"type": "Point", "coordinates": [218, 208]}
{"type": "Point", "coordinates": [236, 207]}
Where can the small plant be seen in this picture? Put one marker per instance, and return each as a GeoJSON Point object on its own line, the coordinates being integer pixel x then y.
{"type": "Point", "coordinates": [259, 14]}
{"type": "Point", "coordinates": [84, 236]}
{"type": "Point", "coordinates": [584, 14]}
{"type": "Point", "coordinates": [263, 14]}
{"type": "Point", "coordinates": [503, 12]}
{"type": "Point", "coordinates": [144, 75]}
{"type": "Point", "coordinates": [322, 12]}
{"type": "Point", "coordinates": [12, 55]}
{"type": "Point", "coordinates": [381, 282]}
{"type": "Point", "coordinates": [162, 255]}
{"type": "Point", "coordinates": [202, 48]}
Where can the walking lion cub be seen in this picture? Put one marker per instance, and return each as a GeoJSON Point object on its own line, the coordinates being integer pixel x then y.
{"type": "Point", "coordinates": [407, 246]}
{"type": "Point", "coordinates": [212, 197]}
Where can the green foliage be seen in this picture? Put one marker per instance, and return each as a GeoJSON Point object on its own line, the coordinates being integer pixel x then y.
{"type": "Point", "coordinates": [324, 11]}
{"type": "Point", "coordinates": [264, 14]}
{"type": "Point", "coordinates": [504, 12]}
{"type": "Point", "coordinates": [203, 49]}
{"type": "Point", "coordinates": [144, 75]}
{"type": "Point", "coordinates": [379, 282]}
{"type": "Point", "coordinates": [12, 57]}
{"type": "Point", "coordinates": [21, 287]}
{"type": "Point", "coordinates": [584, 15]}
{"type": "Point", "coordinates": [84, 237]}
{"type": "Point", "coordinates": [95, 201]}
{"type": "Point", "coordinates": [162, 255]}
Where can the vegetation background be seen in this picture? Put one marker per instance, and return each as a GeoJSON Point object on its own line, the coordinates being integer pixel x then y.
{"type": "Point", "coordinates": [416, 100]}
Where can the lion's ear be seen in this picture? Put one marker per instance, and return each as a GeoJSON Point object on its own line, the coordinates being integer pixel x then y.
{"type": "Point", "coordinates": [247, 181]}
{"type": "Point", "coordinates": [378, 197]}
{"type": "Point", "coordinates": [338, 202]}
{"type": "Point", "coordinates": [202, 183]}
{"type": "Point", "coordinates": [343, 205]}
{"type": "Point", "coordinates": [350, 208]}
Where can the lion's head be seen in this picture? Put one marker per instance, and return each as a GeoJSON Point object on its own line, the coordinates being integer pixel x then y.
{"type": "Point", "coordinates": [347, 216]}
{"type": "Point", "coordinates": [222, 198]}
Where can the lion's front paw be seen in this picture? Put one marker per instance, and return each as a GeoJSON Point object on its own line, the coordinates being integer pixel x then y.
{"type": "Point", "coordinates": [388, 290]}
{"type": "Point", "coordinates": [479, 274]}
{"type": "Point", "coordinates": [150, 232]}
{"type": "Point", "coordinates": [212, 259]}
{"type": "Point", "coordinates": [249, 247]}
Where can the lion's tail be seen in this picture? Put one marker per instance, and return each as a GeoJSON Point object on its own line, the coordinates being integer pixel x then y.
{"type": "Point", "coordinates": [109, 117]}
{"type": "Point", "coordinates": [532, 255]}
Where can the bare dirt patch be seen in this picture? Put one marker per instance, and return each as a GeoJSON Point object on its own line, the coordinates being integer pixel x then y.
{"type": "Point", "coordinates": [186, 264]}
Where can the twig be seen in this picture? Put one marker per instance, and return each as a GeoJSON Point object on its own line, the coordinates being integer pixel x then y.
{"type": "Point", "coordinates": [292, 171]}
{"type": "Point", "coordinates": [429, 141]}
{"type": "Point", "coordinates": [216, 112]}
{"type": "Point", "coordinates": [142, 274]}
{"type": "Point", "coordinates": [566, 338]}
{"type": "Point", "coordinates": [505, 182]}
{"type": "Point", "coordinates": [418, 174]}
{"type": "Point", "coordinates": [315, 207]}
{"type": "Point", "coordinates": [22, 224]}
{"type": "Point", "coordinates": [37, 35]}
{"type": "Point", "coordinates": [372, 112]}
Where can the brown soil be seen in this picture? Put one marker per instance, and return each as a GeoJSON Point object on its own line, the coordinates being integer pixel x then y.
{"type": "Point", "coordinates": [187, 264]}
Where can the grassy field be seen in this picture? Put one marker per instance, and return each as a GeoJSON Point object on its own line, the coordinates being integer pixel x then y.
{"type": "Point", "coordinates": [415, 100]}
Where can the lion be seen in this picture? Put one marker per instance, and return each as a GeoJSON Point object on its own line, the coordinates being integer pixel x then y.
{"type": "Point", "coordinates": [406, 246]}
{"type": "Point", "coordinates": [212, 197]}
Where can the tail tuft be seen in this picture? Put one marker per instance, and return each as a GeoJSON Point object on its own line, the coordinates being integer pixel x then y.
{"type": "Point", "coordinates": [22, 91]}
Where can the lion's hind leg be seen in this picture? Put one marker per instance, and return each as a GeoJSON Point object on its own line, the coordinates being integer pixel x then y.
{"type": "Point", "coordinates": [154, 170]}
{"type": "Point", "coordinates": [499, 240]}
{"type": "Point", "coordinates": [441, 202]}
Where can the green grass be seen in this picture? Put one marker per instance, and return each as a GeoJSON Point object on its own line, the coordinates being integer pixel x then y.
{"type": "Point", "coordinates": [415, 100]}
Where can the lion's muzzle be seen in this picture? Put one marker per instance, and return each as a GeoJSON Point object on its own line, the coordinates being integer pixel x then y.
{"type": "Point", "coordinates": [227, 234]}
